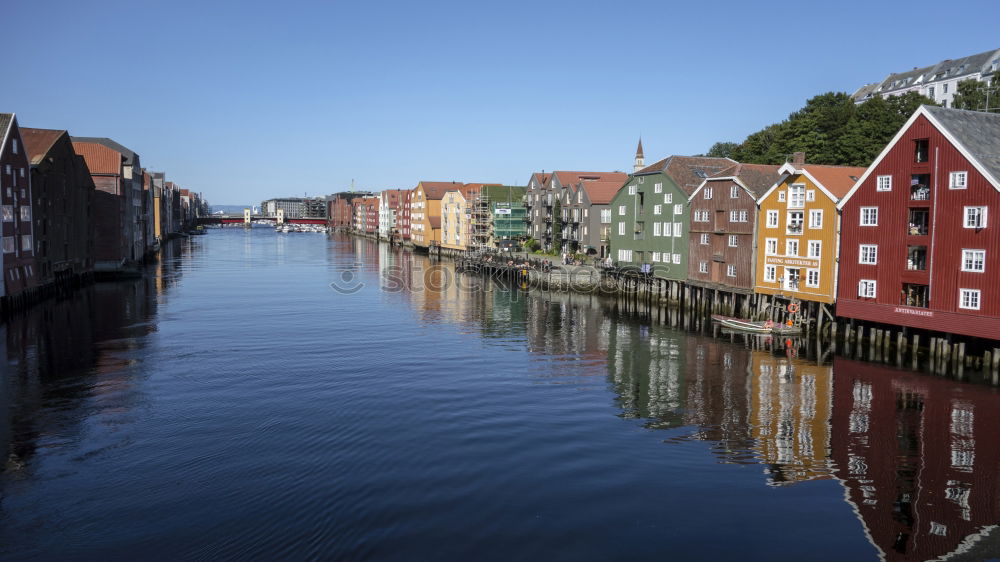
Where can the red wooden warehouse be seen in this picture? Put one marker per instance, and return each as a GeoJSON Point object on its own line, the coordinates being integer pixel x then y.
{"type": "Point", "coordinates": [920, 243]}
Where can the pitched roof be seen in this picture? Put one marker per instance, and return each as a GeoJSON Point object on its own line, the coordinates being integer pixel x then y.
{"type": "Point", "coordinates": [6, 119]}
{"type": "Point", "coordinates": [688, 171]}
{"type": "Point", "coordinates": [601, 192]}
{"type": "Point", "coordinates": [504, 192]}
{"type": "Point", "coordinates": [130, 156]}
{"type": "Point", "coordinates": [436, 189]}
{"type": "Point", "coordinates": [638, 151]}
{"type": "Point", "coordinates": [100, 159]}
{"type": "Point", "coordinates": [435, 221]}
{"type": "Point", "coordinates": [570, 178]}
{"type": "Point", "coordinates": [838, 180]}
{"type": "Point", "coordinates": [38, 142]}
{"type": "Point", "coordinates": [758, 178]}
{"type": "Point", "coordinates": [541, 177]}
{"type": "Point", "coordinates": [978, 133]}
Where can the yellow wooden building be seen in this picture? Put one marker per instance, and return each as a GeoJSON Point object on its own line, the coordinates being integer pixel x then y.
{"type": "Point", "coordinates": [425, 212]}
{"type": "Point", "coordinates": [797, 232]}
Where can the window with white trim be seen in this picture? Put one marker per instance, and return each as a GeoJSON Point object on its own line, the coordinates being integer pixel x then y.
{"type": "Point", "coordinates": [658, 187]}
{"type": "Point", "coordinates": [678, 230]}
{"type": "Point", "coordinates": [969, 299]}
{"type": "Point", "coordinates": [631, 190]}
{"type": "Point", "coordinates": [656, 257]}
{"type": "Point", "coordinates": [883, 183]}
{"type": "Point", "coordinates": [26, 243]}
{"type": "Point", "coordinates": [866, 288]}
{"type": "Point", "coordinates": [678, 208]}
{"type": "Point", "coordinates": [781, 196]}
{"type": "Point", "coordinates": [772, 219]}
{"type": "Point", "coordinates": [974, 261]}
{"type": "Point", "coordinates": [770, 273]}
{"type": "Point", "coordinates": [868, 254]}
{"type": "Point", "coordinates": [668, 229]}
{"type": "Point", "coordinates": [704, 239]}
{"type": "Point", "coordinates": [677, 258]}
{"type": "Point", "coordinates": [707, 192]}
{"type": "Point", "coordinates": [25, 213]}
{"type": "Point", "coordinates": [657, 209]}
{"type": "Point", "coordinates": [791, 247]}
{"type": "Point", "coordinates": [869, 216]}
{"type": "Point", "coordinates": [812, 278]}
{"type": "Point", "coordinates": [975, 217]}
{"type": "Point", "coordinates": [737, 216]}
{"type": "Point", "coordinates": [733, 241]}
{"type": "Point", "coordinates": [796, 196]}
{"type": "Point", "coordinates": [731, 270]}
{"type": "Point", "coordinates": [605, 216]}
{"type": "Point", "coordinates": [816, 218]}
{"type": "Point", "coordinates": [668, 198]}
{"type": "Point", "coordinates": [7, 213]}
{"type": "Point", "coordinates": [621, 210]}
{"type": "Point", "coordinates": [814, 249]}
{"type": "Point", "coordinates": [957, 180]}
{"type": "Point", "coordinates": [770, 246]}
{"type": "Point", "coordinates": [657, 229]}
{"type": "Point", "coordinates": [734, 192]}
{"type": "Point", "coordinates": [810, 195]}
{"type": "Point", "coordinates": [703, 267]}
{"type": "Point", "coordinates": [621, 229]}
{"type": "Point", "coordinates": [624, 255]}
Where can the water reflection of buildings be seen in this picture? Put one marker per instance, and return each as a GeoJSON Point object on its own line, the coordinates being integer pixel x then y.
{"type": "Point", "coordinates": [917, 458]}
{"type": "Point", "coordinates": [65, 355]}
{"type": "Point", "coordinates": [791, 403]}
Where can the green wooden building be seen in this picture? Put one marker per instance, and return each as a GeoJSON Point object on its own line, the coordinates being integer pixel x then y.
{"type": "Point", "coordinates": [650, 220]}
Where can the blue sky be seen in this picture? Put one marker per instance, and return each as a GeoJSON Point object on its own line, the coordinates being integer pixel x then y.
{"type": "Point", "coordinates": [249, 100]}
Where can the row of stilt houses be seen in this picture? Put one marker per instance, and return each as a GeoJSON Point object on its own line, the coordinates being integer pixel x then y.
{"type": "Point", "coordinates": [72, 208]}
{"type": "Point", "coordinates": [903, 253]}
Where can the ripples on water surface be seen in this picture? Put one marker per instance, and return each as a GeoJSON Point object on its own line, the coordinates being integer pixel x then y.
{"type": "Point", "coordinates": [232, 404]}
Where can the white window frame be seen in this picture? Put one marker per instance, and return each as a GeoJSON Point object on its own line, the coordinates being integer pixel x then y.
{"type": "Point", "coordinates": [668, 198]}
{"type": "Point", "coordinates": [770, 246]}
{"type": "Point", "coordinates": [678, 229]}
{"type": "Point", "coordinates": [974, 256]}
{"type": "Point", "coordinates": [966, 298]}
{"type": "Point", "coordinates": [621, 228]}
{"type": "Point", "coordinates": [658, 187]}
{"type": "Point", "coordinates": [734, 241]}
{"type": "Point", "coordinates": [781, 196]}
{"type": "Point", "coordinates": [981, 211]}
{"type": "Point", "coordinates": [869, 216]}
{"type": "Point", "coordinates": [632, 189]}
{"type": "Point", "coordinates": [770, 274]}
{"type": "Point", "coordinates": [677, 259]}
{"type": "Point", "coordinates": [958, 180]}
{"type": "Point", "coordinates": [655, 257]}
{"type": "Point", "coordinates": [868, 254]}
{"type": "Point", "coordinates": [678, 208]}
{"type": "Point", "coordinates": [818, 245]}
{"type": "Point", "coordinates": [811, 272]}
{"type": "Point", "coordinates": [668, 229]}
{"type": "Point", "coordinates": [883, 183]}
{"type": "Point", "coordinates": [707, 193]}
{"type": "Point", "coordinates": [730, 270]}
{"type": "Point", "coordinates": [703, 267]}
{"type": "Point", "coordinates": [657, 229]}
{"type": "Point", "coordinates": [734, 192]}
{"type": "Point", "coordinates": [772, 219]}
{"type": "Point", "coordinates": [815, 214]}
{"type": "Point", "coordinates": [704, 239]}
{"type": "Point", "coordinates": [867, 288]}
{"type": "Point", "coordinates": [621, 210]}
{"type": "Point", "coordinates": [792, 247]}
{"type": "Point", "coordinates": [657, 209]}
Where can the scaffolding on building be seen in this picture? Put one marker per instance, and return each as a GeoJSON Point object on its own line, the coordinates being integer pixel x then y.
{"type": "Point", "coordinates": [498, 215]}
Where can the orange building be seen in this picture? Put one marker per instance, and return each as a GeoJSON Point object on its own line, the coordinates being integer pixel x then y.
{"type": "Point", "coordinates": [425, 212]}
{"type": "Point", "coordinates": [798, 229]}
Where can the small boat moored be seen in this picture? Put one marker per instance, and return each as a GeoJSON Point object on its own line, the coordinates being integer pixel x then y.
{"type": "Point", "coordinates": [765, 327]}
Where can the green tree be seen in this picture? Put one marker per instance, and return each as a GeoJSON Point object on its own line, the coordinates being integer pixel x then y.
{"type": "Point", "coordinates": [557, 226]}
{"type": "Point", "coordinates": [978, 96]}
{"type": "Point", "coordinates": [722, 149]}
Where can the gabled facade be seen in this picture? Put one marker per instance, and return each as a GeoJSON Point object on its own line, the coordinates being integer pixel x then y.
{"type": "Point", "coordinates": [649, 219]}
{"type": "Point", "coordinates": [63, 192]}
{"type": "Point", "coordinates": [389, 215]}
{"type": "Point", "coordinates": [588, 217]}
{"type": "Point", "coordinates": [455, 220]}
{"type": "Point", "coordinates": [118, 203]}
{"type": "Point", "coordinates": [920, 246]}
{"type": "Point", "coordinates": [938, 82]}
{"type": "Point", "coordinates": [544, 190]}
{"type": "Point", "coordinates": [723, 218]}
{"type": "Point", "coordinates": [797, 231]}
{"type": "Point", "coordinates": [425, 212]}
{"type": "Point", "coordinates": [17, 245]}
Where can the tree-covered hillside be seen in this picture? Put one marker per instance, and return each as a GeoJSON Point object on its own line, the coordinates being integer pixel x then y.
{"type": "Point", "coordinates": [830, 129]}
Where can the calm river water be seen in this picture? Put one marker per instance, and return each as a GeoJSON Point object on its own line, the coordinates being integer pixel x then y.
{"type": "Point", "coordinates": [263, 395]}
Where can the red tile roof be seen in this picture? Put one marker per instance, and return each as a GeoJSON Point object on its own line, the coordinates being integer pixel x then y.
{"type": "Point", "coordinates": [38, 142]}
{"type": "Point", "coordinates": [757, 177]}
{"type": "Point", "coordinates": [435, 189]}
{"type": "Point", "coordinates": [100, 159]}
{"type": "Point", "coordinates": [601, 192]}
{"type": "Point", "coordinates": [838, 180]}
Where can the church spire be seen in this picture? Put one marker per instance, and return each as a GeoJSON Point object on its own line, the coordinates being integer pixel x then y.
{"type": "Point", "coordinates": [639, 160]}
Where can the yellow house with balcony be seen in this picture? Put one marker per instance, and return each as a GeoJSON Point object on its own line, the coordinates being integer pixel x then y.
{"type": "Point", "coordinates": [798, 229]}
